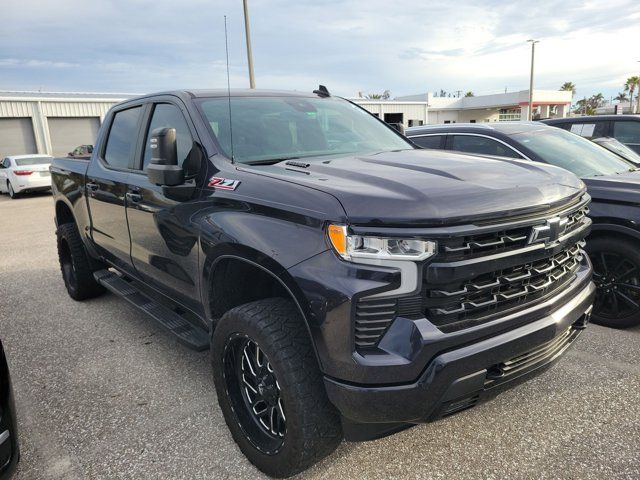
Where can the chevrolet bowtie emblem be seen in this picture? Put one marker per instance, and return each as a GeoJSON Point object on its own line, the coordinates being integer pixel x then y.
{"type": "Point", "coordinates": [550, 232]}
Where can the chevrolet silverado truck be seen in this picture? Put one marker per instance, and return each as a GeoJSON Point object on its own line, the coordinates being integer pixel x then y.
{"type": "Point", "coordinates": [347, 284]}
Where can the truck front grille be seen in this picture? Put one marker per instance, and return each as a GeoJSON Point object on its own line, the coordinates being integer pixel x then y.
{"type": "Point", "coordinates": [453, 298]}
{"type": "Point", "coordinates": [473, 246]}
{"type": "Point", "coordinates": [461, 305]}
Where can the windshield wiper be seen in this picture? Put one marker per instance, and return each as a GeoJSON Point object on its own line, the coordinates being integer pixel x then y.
{"type": "Point", "coordinates": [270, 161]}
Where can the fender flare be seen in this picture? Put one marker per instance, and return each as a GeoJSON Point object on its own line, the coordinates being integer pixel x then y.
{"type": "Point", "coordinates": [211, 268]}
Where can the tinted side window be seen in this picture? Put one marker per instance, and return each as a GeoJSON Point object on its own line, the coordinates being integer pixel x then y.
{"type": "Point", "coordinates": [627, 132]}
{"type": "Point", "coordinates": [167, 115]}
{"type": "Point", "coordinates": [432, 141]}
{"type": "Point", "coordinates": [122, 137]}
{"type": "Point", "coordinates": [481, 145]}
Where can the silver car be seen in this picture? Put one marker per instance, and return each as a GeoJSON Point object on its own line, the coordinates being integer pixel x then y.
{"type": "Point", "coordinates": [25, 173]}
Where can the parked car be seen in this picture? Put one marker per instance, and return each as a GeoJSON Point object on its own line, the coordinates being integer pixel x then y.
{"type": "Point", "coordinates": [624, 128]}
{"type": "Point", "coordinates": [614, 185]}
{"type": "Point", "coordinates": [619, 149]}
{"type": "Point", "coordinates": [348, 284]}
{"type": "Point", "coordinates": [82, 151]}
{"type": "Point", "coordinates": [9, 451]}
{"type": "Point", "coordinates": [25, 173]}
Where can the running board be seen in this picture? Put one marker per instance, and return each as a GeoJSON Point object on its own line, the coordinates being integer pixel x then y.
{"type": "Point", "coordinates": [188, 334]}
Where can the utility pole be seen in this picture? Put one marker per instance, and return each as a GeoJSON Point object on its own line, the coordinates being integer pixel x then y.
{"type": "Point", "coordinates": [247, 31]}
{"type": "Point", "coordinates": [533, 53]}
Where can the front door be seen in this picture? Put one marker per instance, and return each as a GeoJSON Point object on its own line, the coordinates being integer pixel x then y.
{"type": "Point", "coordinates": [163, 241]}
{"type": "Point", "coordinates": [106, 187]}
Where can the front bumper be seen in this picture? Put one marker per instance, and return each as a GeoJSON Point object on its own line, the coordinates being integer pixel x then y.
{"type": "Point", "coordinates": [460, 378]}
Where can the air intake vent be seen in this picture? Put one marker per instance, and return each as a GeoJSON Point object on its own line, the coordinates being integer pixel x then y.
{"type": "Point", "coordinates": [373, 317]}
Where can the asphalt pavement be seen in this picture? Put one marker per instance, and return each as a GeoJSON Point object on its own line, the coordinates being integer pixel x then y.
{"type": "Point", "coordinates": [103, 392]}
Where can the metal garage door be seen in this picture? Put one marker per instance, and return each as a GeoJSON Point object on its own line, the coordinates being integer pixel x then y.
{"type": "Point", "coordinates": [67, 133]}
{"type": "Point", "coordinates": [16, 137]}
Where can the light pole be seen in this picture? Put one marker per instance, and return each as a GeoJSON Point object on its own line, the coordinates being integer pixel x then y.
{"type": "Point", "coordinates": [533, 53]}
{"type": "Point", "coordinates": [247, 31]}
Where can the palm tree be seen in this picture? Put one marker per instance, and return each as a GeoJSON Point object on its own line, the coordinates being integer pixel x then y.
{"type": "Point", "coordinates": [630, 85]}
{"type": "Point", "coordinates": [568, 87]}
{"type": "Point", "coordinates": [622, 97]}
{"type": "Point", "coordinates": [469, 94]}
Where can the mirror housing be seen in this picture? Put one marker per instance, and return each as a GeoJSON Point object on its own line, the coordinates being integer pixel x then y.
{"type": "Point", "coordinates": [164, 168]}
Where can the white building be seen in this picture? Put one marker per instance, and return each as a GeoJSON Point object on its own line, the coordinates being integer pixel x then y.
{"type": "Point", "coordinates": [51, 123]}
{"type": "Point", "coordinates": [429, 109]}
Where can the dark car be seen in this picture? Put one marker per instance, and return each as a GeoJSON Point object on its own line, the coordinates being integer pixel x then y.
{"type": "Point", "coordinates": [9, 453]}
{"type": "Point", "coordinates": [81, 151]}
{"type": "Point", "coordinates": [347, 284]}
{"type": "Point", "coordinates": [614, 185]}
{"type": "Point", "coordinates": [624, 128]}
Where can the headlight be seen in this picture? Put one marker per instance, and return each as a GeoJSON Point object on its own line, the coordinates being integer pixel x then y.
{"type": "Point", "coordinates": [358, 246]}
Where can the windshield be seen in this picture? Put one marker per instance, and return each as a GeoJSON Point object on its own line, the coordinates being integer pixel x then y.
{"type": "Point", "coordinates": [572, 152]}
{"type": "Point", "coordinates": [268, 129]}
{"type": "Point", "coordinates": [25, 162]}
{"type": "Point", "coordinates": [619, 148]}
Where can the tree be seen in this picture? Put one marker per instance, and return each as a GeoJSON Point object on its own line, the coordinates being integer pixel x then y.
{"type": "Point", "coordinates": [588, 106]}
{"type": "Point", "coordinates": [630, 85]}
{"type": "Point", "coordinates": [386, 95]}
{"type": "Point", "coordinates": [469, 94]}
{"type": "Point", "coordinates": [568, 87]}
{"type": "Point", "coordinates": [622, 97]}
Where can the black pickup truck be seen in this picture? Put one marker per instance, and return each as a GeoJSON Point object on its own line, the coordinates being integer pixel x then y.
{"type": "Point", "coordinates": [348, 284]}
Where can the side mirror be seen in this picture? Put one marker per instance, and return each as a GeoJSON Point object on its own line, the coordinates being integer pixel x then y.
{"type": "Point", "coordinates": [164, 168]}
{"type": "Point", "coordinates": [397, 126]}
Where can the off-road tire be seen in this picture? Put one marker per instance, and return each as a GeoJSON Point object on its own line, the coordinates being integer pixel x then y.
{"type": "Point", "coordinates": [612, 251]}
{"type": "Point", "coordinates": [313, 428]}
{"type": "Point", "coordinates": [76, 267]}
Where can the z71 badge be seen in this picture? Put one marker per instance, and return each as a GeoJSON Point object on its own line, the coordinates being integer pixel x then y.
{"type": "Point", "coordinates": [223, 183]}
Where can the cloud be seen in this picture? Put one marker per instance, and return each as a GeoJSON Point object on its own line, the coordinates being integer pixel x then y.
{"type": "Point", "coordinates": [351, 46]}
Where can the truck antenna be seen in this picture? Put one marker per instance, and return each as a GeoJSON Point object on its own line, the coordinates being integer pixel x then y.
{"type": "Point", "coordinates": [226, 46]}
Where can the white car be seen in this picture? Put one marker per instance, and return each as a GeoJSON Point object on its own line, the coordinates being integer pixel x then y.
{"type": "Point", "coordinates": [25, 173]}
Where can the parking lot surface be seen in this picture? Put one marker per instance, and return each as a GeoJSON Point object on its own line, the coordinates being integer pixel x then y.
{"type": "Point", "coordinates": [103, 392]}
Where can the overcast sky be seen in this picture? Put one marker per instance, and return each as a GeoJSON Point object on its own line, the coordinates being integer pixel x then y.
{"type": "Point", "coordinates": [370, 45]}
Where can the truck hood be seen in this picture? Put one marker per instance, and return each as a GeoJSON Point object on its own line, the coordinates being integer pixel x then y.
{"type": "Point", "coordinates": [430, 187]}
{"type": "Point", "coordinates": [621, 187]}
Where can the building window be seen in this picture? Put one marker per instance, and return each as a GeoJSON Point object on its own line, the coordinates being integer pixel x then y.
{"type": "Point", "coordinates": [472, 121]}
{"type": "Point", "coordinates": [415, 123]}
{"type": "Point", "coordinates": [509, 114]}
{"type": "Point", "coordinates": [447, 121]}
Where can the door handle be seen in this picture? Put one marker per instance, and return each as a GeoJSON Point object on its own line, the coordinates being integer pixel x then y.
{"type": "Point", "coordinates": [92, 186]}
{"type": "Point", "coordinates": [134, 197]}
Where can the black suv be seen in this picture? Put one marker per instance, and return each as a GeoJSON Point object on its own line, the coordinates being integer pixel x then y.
{"type": "Point", "coordinates": [614, 185]}
{"type": "Point", "coordinates": [347, 283]}
{"type": "Point", "coordinates": [624, 128]}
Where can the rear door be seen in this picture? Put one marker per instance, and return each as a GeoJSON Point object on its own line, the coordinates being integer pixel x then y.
{"type": "Point", "coordinates": [163, 240]}
{"type": "Point", "coordinates": [106, 186]}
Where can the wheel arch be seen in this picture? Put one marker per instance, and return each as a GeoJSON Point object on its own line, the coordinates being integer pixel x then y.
{"type": "Point", "coordinates": [603, 228]}
{"type": "Point", "coordinates": [64, 213]}
{"type": "Point", "coordinates": [262, 270]}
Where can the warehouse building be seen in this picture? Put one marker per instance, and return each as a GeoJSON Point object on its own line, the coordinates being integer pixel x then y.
{"type": "Point", "coordinates": [51, 123]}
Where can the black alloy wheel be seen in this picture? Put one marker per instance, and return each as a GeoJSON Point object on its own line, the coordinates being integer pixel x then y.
{"type": "Point", "coordinates": [254, 393]}
{"type": "Point", "coordinates": [616, 274]}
